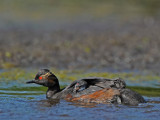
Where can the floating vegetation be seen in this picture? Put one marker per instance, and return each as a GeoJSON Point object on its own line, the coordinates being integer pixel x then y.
{"type": "Point", "coordinates": [64, 75]}
{"type": "Point", "coordinates": [146, 91]}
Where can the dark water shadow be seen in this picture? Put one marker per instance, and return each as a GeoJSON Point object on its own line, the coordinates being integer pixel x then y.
{"type": "Point", "coordinates": [84, 105]}
{"type": "Point", "coordinates": [48, 103]}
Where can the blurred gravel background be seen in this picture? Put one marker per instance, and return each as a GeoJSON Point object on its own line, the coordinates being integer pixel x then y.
{"type": "Point", "coordinates": [82, 34]}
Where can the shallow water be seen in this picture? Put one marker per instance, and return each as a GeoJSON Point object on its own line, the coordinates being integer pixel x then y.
{"type": "Point", "coordinates": [19, 100]}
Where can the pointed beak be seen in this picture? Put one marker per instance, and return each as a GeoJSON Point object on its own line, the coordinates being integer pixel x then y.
{"type": "Point", "coordinates": [31, 81]}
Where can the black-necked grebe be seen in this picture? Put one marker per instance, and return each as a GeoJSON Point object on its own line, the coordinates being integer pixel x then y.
{"type": "Point", "coordinates": [90, 90]}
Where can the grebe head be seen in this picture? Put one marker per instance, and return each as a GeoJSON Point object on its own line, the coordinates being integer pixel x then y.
{"type": "Point", "coordinates": [45, 77]}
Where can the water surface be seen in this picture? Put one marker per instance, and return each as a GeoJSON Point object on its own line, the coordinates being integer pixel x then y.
{"type": "Point", "coordinates": [19, 100]}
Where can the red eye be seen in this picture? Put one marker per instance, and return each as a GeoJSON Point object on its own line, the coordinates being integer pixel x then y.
{"type": "Point", "coordinates": [40, 77]}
